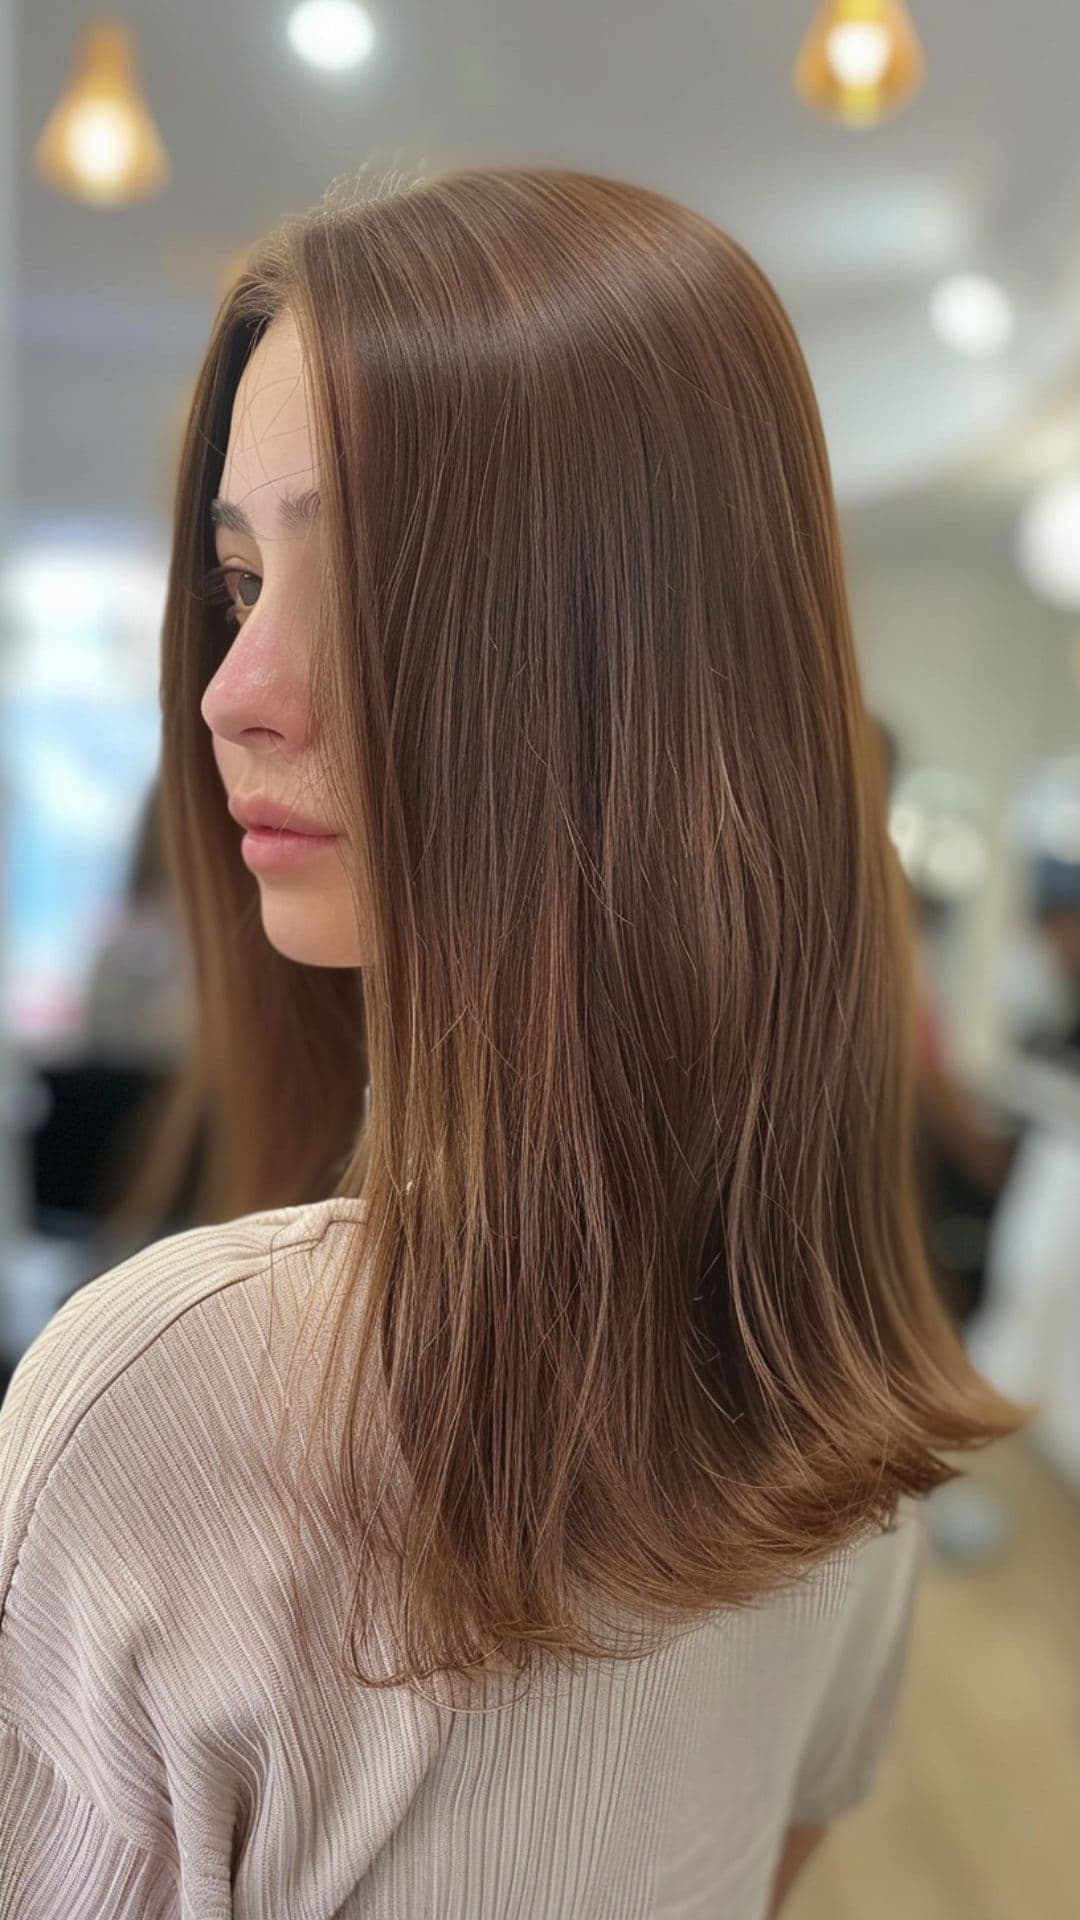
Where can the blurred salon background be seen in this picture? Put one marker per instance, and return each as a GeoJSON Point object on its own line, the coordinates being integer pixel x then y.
{"type": "Point", "coordinates": [909, 178]}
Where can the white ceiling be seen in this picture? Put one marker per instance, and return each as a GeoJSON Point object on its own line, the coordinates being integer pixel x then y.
{"type": "Point", "coordinates": [690, 96]}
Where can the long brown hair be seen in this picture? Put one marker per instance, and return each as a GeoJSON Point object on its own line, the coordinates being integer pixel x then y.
{"type": "Point", "coordinates": [627, 1089]}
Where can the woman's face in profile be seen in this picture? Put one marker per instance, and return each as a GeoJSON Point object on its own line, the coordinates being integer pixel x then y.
{"type": "Point", "coordinates": [269, 541]}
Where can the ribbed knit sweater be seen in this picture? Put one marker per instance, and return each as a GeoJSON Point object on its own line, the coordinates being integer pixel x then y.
{"type": "Point", "coordinates": [164, 1755]}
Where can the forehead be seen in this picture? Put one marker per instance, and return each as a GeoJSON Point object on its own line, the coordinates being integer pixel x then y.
{"type": "Point", "coordinates": [270, 439]}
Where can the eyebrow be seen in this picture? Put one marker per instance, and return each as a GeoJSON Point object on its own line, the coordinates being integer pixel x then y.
{"type": "Point", "coordinates": [296, 512]}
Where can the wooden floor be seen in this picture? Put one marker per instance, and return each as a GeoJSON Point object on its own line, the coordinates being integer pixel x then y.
{"type": "Point", "coordinates": [977, 1812]}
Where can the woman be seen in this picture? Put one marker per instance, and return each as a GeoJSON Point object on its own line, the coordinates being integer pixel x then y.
{"type": "Point", "coordinates": [516, 1510]}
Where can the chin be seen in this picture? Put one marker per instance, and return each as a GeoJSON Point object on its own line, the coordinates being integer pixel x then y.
{"type": "Point", "coordinates": [296, 933]}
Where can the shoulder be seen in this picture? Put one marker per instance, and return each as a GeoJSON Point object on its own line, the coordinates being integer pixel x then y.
{"type": "Point", "coordinates": [136, 1602]}
{"type": "Point", "coordinates": [854, 1679]}
{"type": "Point", "coordinates": [131, 1354]}
{"type": "Point", "coordinates": [882, 1585]}
{"type": "Point", "coordinates": [866, 1588]}
{"type": "Point", "coordinates": [837, 1622]}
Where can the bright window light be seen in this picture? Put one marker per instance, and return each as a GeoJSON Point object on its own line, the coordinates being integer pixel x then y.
{"type": "Point", "coordinates": [1048, 543]}
{"type": "Point", "coordinates": [858, 51]}
{"type": "Point", "coordinates": [85, 619]}
{"type": "Point", "coordinates": [972, 314]}
{"type": "Point", "coordinates": [334, 34]}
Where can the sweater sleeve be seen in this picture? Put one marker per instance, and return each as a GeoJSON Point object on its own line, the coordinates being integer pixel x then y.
{"type": "Point", "coordinates": [85, 1820]}
{"type": "Point", "coordinates": [856, 1711]}
{"type": "Point", "coordinates": [59, 1854]}
{"type": "Point", "coordinates": [143, 1658]}
{"type": "Point", "coordinates": [87, 1801]}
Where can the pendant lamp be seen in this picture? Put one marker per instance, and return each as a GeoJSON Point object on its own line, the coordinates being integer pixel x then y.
{"type": "Point", "coordinates": [100, 144]}
{"type": "Point", "coordinates": [860, 61]}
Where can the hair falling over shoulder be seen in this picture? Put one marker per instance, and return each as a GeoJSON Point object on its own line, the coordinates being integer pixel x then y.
{"type": "Point", "coordinates": [645, 1309]}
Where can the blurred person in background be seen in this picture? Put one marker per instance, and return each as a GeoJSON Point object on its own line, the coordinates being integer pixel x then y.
{"type": "Point", "coordinates": [1039, 980]}
{"type": "Point", "coordinates": [137, 1027]}
{"type": "Point", "coordinates": [97, 1111]}
{"type": "Point", "coordinates": [963, 1156]}
{"type": "Point", "coordinates": [139, 1000]}
{"type": "Point", "coordinates": [1026, 1332]}
{"type": "Point", "coordinates": [552, 1042]}
{"type": "Point", "coordinates": [964, 1151]}
{"type": "Point", "coordinates": [102, 1107]}
{"type": "Point", "coordinates": [965, 1147]}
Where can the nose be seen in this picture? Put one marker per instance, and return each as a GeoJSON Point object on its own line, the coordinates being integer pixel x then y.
{"type": "Point", "coordinates": [259, 698]}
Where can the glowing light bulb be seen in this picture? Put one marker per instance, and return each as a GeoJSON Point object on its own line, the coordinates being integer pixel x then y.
{"type": "Point", "coordinates": [1048, 543]}
{"type": "Point", "coordinates": [334, 34]}
{"type": "Point", "coordinates": [860, 60]}
{"type": "Point", "coordinates": [858, 51]}
{"type": "Point", "coordinates": [972, 314]}
{"type": "Point", "coordinates": [100, 144]}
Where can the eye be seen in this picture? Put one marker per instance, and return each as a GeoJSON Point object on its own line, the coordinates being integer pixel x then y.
{"type": "Point", "coordinates": [242, 588]}
{"type": "Point", "coordinates": [232, 587]}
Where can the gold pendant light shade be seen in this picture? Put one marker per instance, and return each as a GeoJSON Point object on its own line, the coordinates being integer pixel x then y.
{"type": "Point", "coordinates": [861, 60]}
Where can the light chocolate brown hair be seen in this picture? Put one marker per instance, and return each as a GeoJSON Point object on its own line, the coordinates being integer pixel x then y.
{"type": "Point", "coordinates": [627, 1088]}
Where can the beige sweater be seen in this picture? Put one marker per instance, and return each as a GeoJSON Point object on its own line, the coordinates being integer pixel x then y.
{"type": "Point", "coordinates": [163, 1753]}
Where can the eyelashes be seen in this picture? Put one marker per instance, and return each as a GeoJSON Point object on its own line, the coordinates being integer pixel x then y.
{"type": "Point", "coordinates": [215, 591]}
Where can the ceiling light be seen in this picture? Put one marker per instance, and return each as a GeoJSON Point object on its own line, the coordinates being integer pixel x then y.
{"type": "Point", "coordinates": [860, 60]}
{"type": "Point", "coordinates": [858, 52]}
{"type": "Point", "coordinates": [1048, 543]}
{"type": "Point", "coordinates": [100, 144]}
{"type": "Point", "coordinates": [333, 34]}
{"type": "Point", "coordinates": [972, 314]}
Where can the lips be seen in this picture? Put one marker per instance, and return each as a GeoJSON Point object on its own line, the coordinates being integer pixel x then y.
{"type": "Point", "coordinates": [260, 814]}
